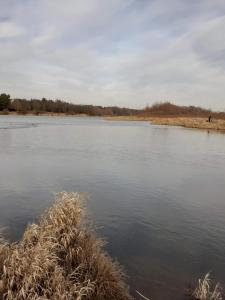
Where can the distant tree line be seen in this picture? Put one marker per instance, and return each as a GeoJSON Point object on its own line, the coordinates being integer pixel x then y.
{"type": "Point", "coordinates": [163, 109]}
{"type": "Point", "coordinates": [37, 106]}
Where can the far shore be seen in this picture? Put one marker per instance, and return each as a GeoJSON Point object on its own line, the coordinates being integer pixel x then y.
{"type": "Point", "coordinates": [188, 122]}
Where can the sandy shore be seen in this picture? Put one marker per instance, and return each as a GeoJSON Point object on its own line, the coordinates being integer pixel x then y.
{"type": "Point", "coordinates": [189, 122]}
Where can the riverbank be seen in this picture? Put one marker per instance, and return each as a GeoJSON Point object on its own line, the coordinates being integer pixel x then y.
{"type": "Point", "coordinates": [188, 122]}
{"type": "Point", "coordinates": [197, 123]}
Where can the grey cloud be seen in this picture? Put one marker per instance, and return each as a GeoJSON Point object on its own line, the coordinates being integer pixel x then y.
{"type": "Point", "coordinates": [209, 42]}
{"type": "Point", "coordinates": [115, 52]}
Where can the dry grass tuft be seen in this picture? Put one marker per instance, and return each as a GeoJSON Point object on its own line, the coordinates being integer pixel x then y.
{"type": "Point", "coordinates": [60, 259]}
{"type": "Point", "coordinates": [205, 290]}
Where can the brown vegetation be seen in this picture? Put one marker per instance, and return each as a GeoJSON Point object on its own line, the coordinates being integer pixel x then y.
{"type": "Point", "coordinates": [128, 118]}
{"type": "Point", "coordinates": [189, 122]}
{"type": "Point", "coordinates": [60, 259]}
{"type": "Point", "coordinates": [206, 291]}
{"type": "Point", "coordinates": [200, 123]}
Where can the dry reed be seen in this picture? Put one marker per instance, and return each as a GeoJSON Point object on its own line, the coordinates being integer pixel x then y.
{"type": "Point", "coordinates": [199, 123]}
{"type": "Point", "coordinates": [60, 259]}
{"type": "Point", "coordinates": [206, 291]}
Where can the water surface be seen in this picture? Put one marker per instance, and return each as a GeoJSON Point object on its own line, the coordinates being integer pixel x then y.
{"type": "Point", "coordinates": [156, 192]}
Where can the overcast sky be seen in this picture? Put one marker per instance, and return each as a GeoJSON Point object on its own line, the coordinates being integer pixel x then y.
{"type": "Point", "coordinates": [114, 52]}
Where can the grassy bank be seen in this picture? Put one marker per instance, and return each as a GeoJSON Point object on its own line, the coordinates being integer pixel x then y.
{"type": "Point", "coordinates": [198, 123]}
{"type": "Point", "coordinates": [60, 259]}
{"type": "Point", "coordinates": [189, 122]}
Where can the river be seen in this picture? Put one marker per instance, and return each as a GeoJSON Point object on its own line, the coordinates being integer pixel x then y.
{"type": "Point", "coordinates": [156, 193]}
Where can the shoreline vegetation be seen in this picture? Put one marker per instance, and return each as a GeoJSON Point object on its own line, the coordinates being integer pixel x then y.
{"type": "Point", "coordinates": [61, 258]}
{"type": "Point", "coordinates": [188, 122]}
{"type": "Point", "coordinates": [174, 115]}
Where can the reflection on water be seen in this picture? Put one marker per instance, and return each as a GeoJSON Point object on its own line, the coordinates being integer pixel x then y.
{"type": "Point", "coordinates": [156, 193]}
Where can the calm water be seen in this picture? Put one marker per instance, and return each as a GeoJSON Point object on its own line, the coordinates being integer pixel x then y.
{"type": "Point", "coordinates": [157, 193]}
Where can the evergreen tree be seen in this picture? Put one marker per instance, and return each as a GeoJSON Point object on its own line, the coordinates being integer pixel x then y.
{"type": "Point", "coordinates": [4, 101]}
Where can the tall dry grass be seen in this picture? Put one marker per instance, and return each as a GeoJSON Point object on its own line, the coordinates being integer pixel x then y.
{"type": "Point", "coordinates": [60, 259]}
{"type": "Point", "coordinates": [206, 290]}
{"type": "Point", "coordinates": [200, 123]}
